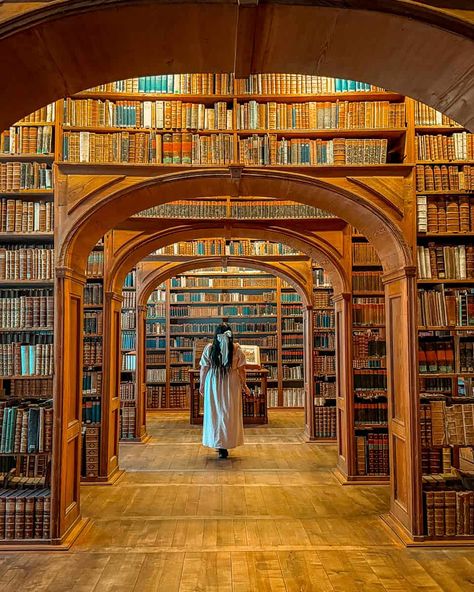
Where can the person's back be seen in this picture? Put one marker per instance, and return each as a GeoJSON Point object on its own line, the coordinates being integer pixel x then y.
{"type": "Point", "coordinates": [222, 382]}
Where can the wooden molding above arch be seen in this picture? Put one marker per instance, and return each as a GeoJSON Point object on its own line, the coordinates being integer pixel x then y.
{"type": "Point", "coordinates": [103, 205]}
{"type": "Point", "coordinates": [152, 273]}
{"type": "Point", "coordinates": [328, 248]}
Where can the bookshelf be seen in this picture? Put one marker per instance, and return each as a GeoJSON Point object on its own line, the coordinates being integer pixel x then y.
{"type": "Point", "coordinates": [92, 371]}
{"type": "Point", "coordinates": [128, 399]}
{"type": "Point", "coordinates": [26, 328]}
{"type": "Point", "coordinates": [445, 251]}
{"type": "Point", "coordinates": [369, 365]}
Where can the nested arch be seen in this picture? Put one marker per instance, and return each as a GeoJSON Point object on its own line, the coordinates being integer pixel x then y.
{"type": "Point", "coordinates": [153, 278]}
{"type": "Point", "coordinates": [315, 247]}
{"type": "Point", "coordinates": [111, 201]}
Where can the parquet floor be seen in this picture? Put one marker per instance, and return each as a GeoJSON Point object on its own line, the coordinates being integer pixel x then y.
{"type": "Point", "coordinates": [271, 518]}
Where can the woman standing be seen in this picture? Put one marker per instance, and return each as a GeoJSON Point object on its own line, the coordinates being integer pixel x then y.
{"type": "Point", "coordinates": [222, 382]}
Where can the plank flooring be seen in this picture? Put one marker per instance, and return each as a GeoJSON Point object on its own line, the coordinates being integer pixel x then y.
{"type": "Point", "coordinates": [271, 518]}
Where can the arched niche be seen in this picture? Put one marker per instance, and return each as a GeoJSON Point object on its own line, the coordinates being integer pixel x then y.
{"type": "Point", "coordinates": [405, 46]}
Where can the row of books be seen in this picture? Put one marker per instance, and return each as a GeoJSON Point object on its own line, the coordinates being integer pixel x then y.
{"type": "Point", "coordinates": [91, 410]}
{"type": "Point", "coordinates": [325, 419]}
{"type": "Point", "coordinates": [155, 396]}
{"type": "Point", "coordinates": [295, 325]}
{"type": "Point", "coordinates": [155, 375]}
{"type": "Point", "coordinates": [325, 390]}
{"type": "Point", "coordinates": [220, 246]}
{"type": "Point", "coordinates": [129, 362]}
{"type": "Point", "coordinates": [368, 311]}
{"type": "Point", "coordinates": [324, 340]}
{"type": "Point", "coordinates": [289, 372]}
{"type": "Point", "coordinates": [324, 319]}
{"type": "Point", "coordinates": [217, 297]}
{"type": "Point", "coordinates": [435, 460]}
{"type": "Point", "coordinates": [320, 115]}
{"type": "Point", "coordinates": [436, 357]}
{"type": "Point", "coordinates": [290, 340]}
{"type": "Point", "coordinates": [93, 322]}
{"type": "Point", "coordinates": [20, 176]}
{"type": "Point", "coordinates": [155, 310]}
{"type": "Point", "coordinates": [466, 356]}
{"type": "Point", "coordinates": [219, 311]}
{"type": "Point", "coordinates": [449, 513]}
{"type": "Point", "coordinates": [35, 388]}
{"type": "Point", "coordinates": [92, 351]}
{"type": "Point", "coordinates": [447, 425]}
{"type": "Point", "coordinates": [128, 340]}
{"type": "Point", "coordinates": [425, 116]}
{"type": "Point", "coordinates": [364, 254]}
{"type": "Point", "coordinates": [458, 146]}
{"type": "Point", "coordinates": [27, 140]}
{"type": "Point", "coordinates": [26, 309]}
{"type": "Point", "coordinates": [444, 178]}
{"type": "Point", "coordinates": [90, 451]}
{"type": "Point", "coordinates": [367, 281]}
{"type": "Point", "coordinates": [430, 385]}
{"type": "Point", "coordinates": [44, 115]}
{"type": "Point", "coordinates": [93, 294]}
{"type": "Point", "coordinates": [179, 396]}
{"type": "Point", "coordinates": [445, 261]}
{"type": "Point", "coordinates": [321, 278]}
{"type": "Point", "coordinates": [238, 328]}
{"type": "Point", "coordinates": [372, 454]}
{"type": "Point", "coordinates": [17, 359]}
{"type": "Point", "coordinates": [160, 115]}
{"type": "Point", "coordinates": [444, 307]}
{"type": "Point", "coordinates": [322, 299]}
{"type": "Point", "coordinates": [155, 327]}
{"type": "Point", "coordinates": [18, 262]}
{"type": "Point", "coordinates": [148, 148]}
{"type": "Point", "coordinates": [95, 264]}
{"type": "Point", "coordinates": [127, 391]}
{"type": "Point", "coordinates": [287, 355]}
{"type": "Point", "coordinates": [272, 397]}
{"type": "Point", "coordinates": [225, 84]}
{"type": "Point", "coordinates": [370, 380]}
{"type": "Point", "coordinates": [17, 215]}
{"type": "Point", "coordinates": [324, 364]}
{"type": "Point", "coordinates": [91, 382]}
{"type": "Point", "coordinates": [293, 397]}
{"type": "Point", "coordinates": [450, 213]}
{"type": "Point", "coordinates": [370, 413]}
{"type": "Point", "coordinates": [26, 427]}
{"type": "Point", "coordinates": [368, 344]}
{"type": "Point", "coordinates": [291, 310]}
{"type": "Point", "coordinates": [25, 514]}
{"type": "Point", "coordinates": [194, 281]}
{"type": "Point", "coordinates": [128, 319]}
{"type": "Point", "coordinates": [269, 150]}
{"type": "Point", "coordinates": [129, 299]}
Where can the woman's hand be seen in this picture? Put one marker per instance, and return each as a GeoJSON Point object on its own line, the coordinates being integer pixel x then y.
{"type": "Point", "coordinates": [246, 389]}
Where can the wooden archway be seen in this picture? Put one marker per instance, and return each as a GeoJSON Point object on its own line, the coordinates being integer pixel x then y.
{"type": "Point", "coordinates": [410, 47]}
{"type": "Point", "coordinates": [91, 204]}
{"type": "Point", "coordinates": [152, 274]}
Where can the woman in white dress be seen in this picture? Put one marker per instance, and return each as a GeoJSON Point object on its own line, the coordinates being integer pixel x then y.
{"type": "Point", "coordinates": [222, 381]}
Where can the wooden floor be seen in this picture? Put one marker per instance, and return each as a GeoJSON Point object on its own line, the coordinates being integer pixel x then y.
{"type": "Point", "coordinates": [270, 518]}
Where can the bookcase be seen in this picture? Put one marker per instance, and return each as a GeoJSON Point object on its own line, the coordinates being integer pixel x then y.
{"type": "Point", "coordinates": [26, 328]}
{"type": "Point", "coordinates": [445, 251]}
{"type": "Point", "coordinates": [324, 358]}
{"type": "Point", "coordinates": [128, 382]}
{"type": "Point", "coordinates": [370, 405]}
{"type": "Point", "coordinates": [274, 121]}
{"type": "Point", "coordinates": [93, 348]}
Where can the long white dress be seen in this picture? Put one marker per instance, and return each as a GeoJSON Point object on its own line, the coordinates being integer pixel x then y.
{"type": "Point", "coordinates": [223, 423]}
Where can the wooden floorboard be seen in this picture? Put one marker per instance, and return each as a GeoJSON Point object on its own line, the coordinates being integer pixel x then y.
{"type": "Point", "coordinates": [271, 518]}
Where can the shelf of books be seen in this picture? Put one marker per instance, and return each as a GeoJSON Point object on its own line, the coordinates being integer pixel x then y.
{"type": "Point", "coordinates": [26, 328]}
{"type": "Point", "coordinates": [370, 406]}
{"type": "Point", "coordinates": [128, 400]}
{"type": "Point", "coordinates": [207, 119]}
{"type": "Point", "coordinates": [324, 358]}
{"type": "Point", "coordinates": [92, 364]}
{"type": "Point", "coordinates": [161, 352]}
{"type": "Point", "coordinates": [445, 231]}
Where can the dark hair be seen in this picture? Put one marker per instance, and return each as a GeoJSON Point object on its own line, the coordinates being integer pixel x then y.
{"type": "Point", "coordinates": [215, 355]}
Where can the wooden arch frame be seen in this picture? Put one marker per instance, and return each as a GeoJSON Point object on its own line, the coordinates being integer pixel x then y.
{"type": "Point", "coordinates": [435, 46]}
{"type": "Point", "coordinates": [90, 204]}
{"type": "Point", "coordinates": [152, 273]}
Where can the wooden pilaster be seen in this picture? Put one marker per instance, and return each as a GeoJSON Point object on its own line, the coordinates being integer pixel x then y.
{"type": "Point", "coordinates": [308, 342]}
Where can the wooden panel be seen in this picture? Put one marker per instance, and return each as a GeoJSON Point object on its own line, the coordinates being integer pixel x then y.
{"type": "Point", "coordinates": [398, 406]}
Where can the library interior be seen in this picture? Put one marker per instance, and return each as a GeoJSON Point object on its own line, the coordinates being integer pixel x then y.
{"type": "Point", "coordinates": [242, 166]}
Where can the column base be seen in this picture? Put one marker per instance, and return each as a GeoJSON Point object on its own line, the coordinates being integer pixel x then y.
{"type": "Point", "coordinates": [360, 479]}
{"type": "Point", "coordinates": [63, 544]}
{"type": "Point", "coordinates": [409, 540]}
{"type": "Point", "coordinates": [110, 480]}
{"type": "Point", "coordinates": [143, 439]}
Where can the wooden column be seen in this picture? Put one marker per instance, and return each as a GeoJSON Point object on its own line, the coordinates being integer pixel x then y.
{"type": "Point", "coordinates": [405, 515]}
{"type": "Point", "coordinates": [66, 469]}
{"type": "Point", "coordinates": [344, 386]}
{"type": "Point", "coordinates": [308, 345]}
{"type": "Point", "coordinates": [111, 366]}
{"type": "Point", "coordinates": [140, 375]}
